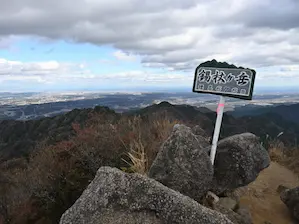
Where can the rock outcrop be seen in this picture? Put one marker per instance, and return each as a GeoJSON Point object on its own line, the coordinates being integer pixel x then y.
{"type": "Point", "coordinates": [291, 199]}
{"type": "Point", "coordinates": [239, 160]}
{"type": "Point", "coordinates": [180, 178]}
{"type": "Point", "coordinates": [115, 197]}
{"type": "Point", "coordinates": [183, 165]}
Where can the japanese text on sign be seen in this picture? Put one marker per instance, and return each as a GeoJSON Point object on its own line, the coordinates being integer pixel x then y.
{"type": "Point", "coordinates": [224, 81]}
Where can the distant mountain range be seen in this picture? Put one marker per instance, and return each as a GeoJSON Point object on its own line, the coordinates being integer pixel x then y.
{"type": "Point", "coordinates": [18, 138]}
{"type": "Point", "coordinates": [29, 106]}
{"type": "Point", "coordinates": [264, 123]}
{"type": "Point", "coordinates": [287, 112]}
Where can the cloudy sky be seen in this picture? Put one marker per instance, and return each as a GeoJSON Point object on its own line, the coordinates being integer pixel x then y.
{"type": "Point", "coordinates": [143, 44]}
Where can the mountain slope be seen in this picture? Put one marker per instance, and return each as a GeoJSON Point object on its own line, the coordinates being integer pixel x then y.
{"type": "Point", "coordinates": [288, 112]}
{"type": "Point", "coordinates": [40, 187]}
{"type": "Point", "coordinates": [264, 124]}
{"type": "Point", "coordinates": [18, 138]}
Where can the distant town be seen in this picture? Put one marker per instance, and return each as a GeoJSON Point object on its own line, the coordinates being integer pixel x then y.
{"type": "Point", "coordinates": [26, 106]}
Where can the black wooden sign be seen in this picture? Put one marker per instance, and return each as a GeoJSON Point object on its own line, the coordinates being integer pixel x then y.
{"type": "Point", "coordinates": [232, 82]}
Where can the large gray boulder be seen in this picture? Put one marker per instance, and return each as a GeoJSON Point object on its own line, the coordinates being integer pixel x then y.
{"type": "Point", "coordinates": [291, 198]}
{"type": "Point", "coordinates": [183, 165]}
{"type": "Point", "coordinates": [239, 160]}
{"type": "Point", "coordinates": [115, 197]}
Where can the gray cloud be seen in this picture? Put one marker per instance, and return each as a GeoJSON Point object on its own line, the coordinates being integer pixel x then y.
{"type": "Point", "coordinates": [272, 14]}
{"type": "Point", "coordinates": [174, 34]}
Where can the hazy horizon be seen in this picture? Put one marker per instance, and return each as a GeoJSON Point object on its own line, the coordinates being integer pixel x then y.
{"type": "Point", "coordinates": [257, 90]}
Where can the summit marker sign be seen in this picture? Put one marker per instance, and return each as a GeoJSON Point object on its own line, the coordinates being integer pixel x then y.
{"type": "Point", "coordinates": [232, 82]}
{"type": "Point", "coordinates": [222, 79]}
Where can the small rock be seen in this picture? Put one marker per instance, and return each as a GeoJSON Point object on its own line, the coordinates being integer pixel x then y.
{"type": "Point", "coordinates": [183, 165]}
{"type": "Point", "coordinates": [115, 197]}
{"type": "Point", "coordinates": [291, 199]}
{"type": "Point", "coordinates": [228, 203]}
{"type": "Point", "coordinates": [281, 188]}
{"type": "Point", "coordinates": [210, 200]}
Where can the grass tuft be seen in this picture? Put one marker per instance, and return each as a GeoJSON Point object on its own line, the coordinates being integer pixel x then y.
{"type": "Point", "coordinates": [288, 157]}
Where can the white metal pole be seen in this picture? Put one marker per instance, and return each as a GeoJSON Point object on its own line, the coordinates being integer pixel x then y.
{"type": "Point", "coordinates": [217, 128]}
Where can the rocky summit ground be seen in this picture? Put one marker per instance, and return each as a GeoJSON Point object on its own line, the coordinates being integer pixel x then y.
{"type": "Point", "coordinates": [262, 197]}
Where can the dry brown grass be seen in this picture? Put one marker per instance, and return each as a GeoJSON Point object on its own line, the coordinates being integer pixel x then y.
{"type": "Point", "coordinates": [138, 158]}
{"type": "Point", "coordinates": [144, 140]}
{"type": "Point", "coordinates": [286, 157]}
{"type": "Point", "coordinates": [47, 184]}
{"type": "Point", "coordinates": [277, 155]}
